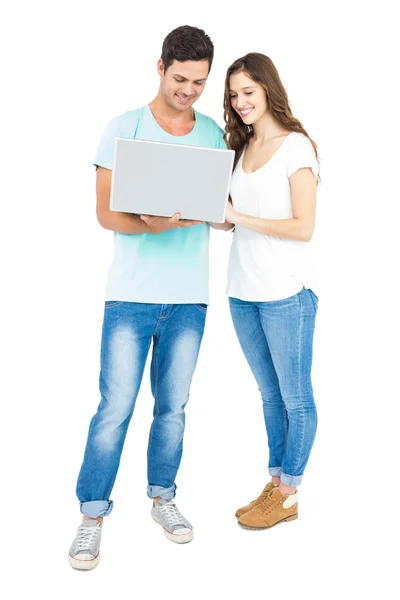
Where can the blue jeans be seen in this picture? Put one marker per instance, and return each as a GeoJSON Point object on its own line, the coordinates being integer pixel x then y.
{"type": "Point", "coordinates": [276, 338]}
{"type": "Point", "coordinates": [128, 329]}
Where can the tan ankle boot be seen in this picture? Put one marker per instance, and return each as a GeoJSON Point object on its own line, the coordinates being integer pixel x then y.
{"type": "Point", "coordinates": [241, 511]}
{"type": "Point", "coordinates": [275, 509]}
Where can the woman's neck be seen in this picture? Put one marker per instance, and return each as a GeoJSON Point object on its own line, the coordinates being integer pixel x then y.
{"type": "Point", "coordinates": [266, 128]}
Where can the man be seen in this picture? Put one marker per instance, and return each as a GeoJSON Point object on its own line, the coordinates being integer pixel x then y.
{"type": "Point", "coordinates": [157, 290]}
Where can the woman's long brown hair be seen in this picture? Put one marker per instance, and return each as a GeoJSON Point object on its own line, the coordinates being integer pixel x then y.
{"type": "Point", "coordinates": [261, 69]}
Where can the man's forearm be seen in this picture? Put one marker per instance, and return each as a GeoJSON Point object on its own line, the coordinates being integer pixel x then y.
{"type": "Point", "coordinates": [122, 222]}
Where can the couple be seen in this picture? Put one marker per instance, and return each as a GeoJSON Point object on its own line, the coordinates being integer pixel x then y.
{"type": "Point", "coordinates": [157, 289]}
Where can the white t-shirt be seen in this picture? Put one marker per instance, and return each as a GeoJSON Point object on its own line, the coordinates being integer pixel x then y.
{"type": "Point", "coordinates": [263, 268]}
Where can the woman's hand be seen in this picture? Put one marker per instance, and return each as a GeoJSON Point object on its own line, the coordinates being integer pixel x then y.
{"type": "Point", "coordinates": [232, 215]}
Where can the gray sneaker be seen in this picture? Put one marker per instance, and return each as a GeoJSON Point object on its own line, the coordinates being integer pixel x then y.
{"type": "Point", "coordinates": [84, 553]}
{"type": "Point", "coordinates": [176, 527]}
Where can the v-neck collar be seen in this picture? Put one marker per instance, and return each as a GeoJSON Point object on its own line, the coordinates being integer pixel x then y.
{"type": "Point", "coordinates": [268, 161]}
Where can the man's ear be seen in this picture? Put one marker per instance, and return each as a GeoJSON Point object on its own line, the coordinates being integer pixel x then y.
{"type": "Point", "coordinates": [160, 67]}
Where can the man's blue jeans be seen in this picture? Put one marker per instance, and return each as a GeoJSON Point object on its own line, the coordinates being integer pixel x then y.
{"type": "Point", "coordinates": [128, 329]}
{"type": "Point", "coordinates": [277, 338]}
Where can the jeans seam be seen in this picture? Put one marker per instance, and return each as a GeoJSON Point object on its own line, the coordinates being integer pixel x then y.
{"type": "Point", "coordinates": [301, 442]}
{"type": "Point", "coordinates": [313, 301]}
{"type": "Point", "coordinates": [158, 323]}
{"type": "Point", "coordinates": [163, 317]}
{"type": "Point", "coordinates": [285, 426]}
{"type": "Point", "coordinates": [155, 397]}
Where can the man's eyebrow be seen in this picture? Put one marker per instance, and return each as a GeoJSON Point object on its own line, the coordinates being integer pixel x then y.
{"type": "Point", "coordinates": [185, 78]}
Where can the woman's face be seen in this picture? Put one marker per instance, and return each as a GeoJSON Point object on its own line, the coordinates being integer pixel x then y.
{"type": "Point", "coordinates": [248, 98]}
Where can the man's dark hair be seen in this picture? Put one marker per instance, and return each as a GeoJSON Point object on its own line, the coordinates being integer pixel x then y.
{"type": "Point", "coordinates": [187, 43]}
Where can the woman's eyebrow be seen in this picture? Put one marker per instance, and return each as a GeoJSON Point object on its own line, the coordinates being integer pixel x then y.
{"type": "Point", "coordinates": [248, 87]}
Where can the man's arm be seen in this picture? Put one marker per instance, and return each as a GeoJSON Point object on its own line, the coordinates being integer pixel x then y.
{"type": "Point", "coordinates": [125, 222]}
{"type": "Point", "coordinates": [114, 221]}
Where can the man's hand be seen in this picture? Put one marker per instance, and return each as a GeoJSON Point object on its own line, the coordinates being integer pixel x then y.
{"type": "Point", "coordinates": [161, 224]}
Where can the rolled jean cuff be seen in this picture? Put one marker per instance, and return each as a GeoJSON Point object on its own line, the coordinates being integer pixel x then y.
{"type": "Point", "coordinates": [97, 508]}
{"type": "Point", "coordinates": [291, 480]}
{"type": "Point", "coordinates": [275, 471]}
{"type": "Point", "coordinates": [157, 490]}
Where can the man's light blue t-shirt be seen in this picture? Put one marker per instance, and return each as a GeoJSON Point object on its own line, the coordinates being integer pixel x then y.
{"type": "Point", "coordinates": [169, 267]}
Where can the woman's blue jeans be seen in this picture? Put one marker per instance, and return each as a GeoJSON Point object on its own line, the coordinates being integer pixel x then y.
{"type": "Point", "coordinates": [277, 339]}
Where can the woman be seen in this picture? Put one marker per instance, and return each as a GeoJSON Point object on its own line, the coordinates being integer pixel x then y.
{"type": "Point", "coordinates": [271, 279]}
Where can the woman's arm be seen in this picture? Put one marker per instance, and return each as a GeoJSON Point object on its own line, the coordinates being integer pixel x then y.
{"type": "Point", "coordinates": [303, 187]}
{"type": "Point", "coordinates": [226, 226]}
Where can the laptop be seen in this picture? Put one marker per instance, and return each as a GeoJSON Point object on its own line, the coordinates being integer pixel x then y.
{"type": "Point", "coordinates": [161, 179]}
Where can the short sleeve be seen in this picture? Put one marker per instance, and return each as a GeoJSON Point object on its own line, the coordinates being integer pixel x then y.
{"type": "Point", "coordinates": [221, 142]}
{"type": "Point", "coordinates": [301, 154]}
{"type": "Point", "coordinates": [121, 126]}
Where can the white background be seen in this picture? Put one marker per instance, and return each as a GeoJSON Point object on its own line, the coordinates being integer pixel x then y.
{"type": "Point", "coordinates": [67, 69]}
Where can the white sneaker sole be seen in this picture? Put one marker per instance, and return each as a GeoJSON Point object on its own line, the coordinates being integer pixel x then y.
{"type": "Point", "coordinates": [84, 565]}
{"type": "Point", "coordinates": [176, 537]}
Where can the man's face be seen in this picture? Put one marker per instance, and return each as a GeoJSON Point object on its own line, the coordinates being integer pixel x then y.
{"type": "Point", "coordinates": [183, 82]}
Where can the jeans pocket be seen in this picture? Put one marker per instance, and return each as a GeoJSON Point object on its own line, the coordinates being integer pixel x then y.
{"type": "Point", "coordinates": [202, 307]}
{"type": "Point", "coordinates": [111, 303]}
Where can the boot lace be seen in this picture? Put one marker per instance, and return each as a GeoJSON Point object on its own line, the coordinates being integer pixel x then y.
{"type": "Point", "coordinates": [269, 504]}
